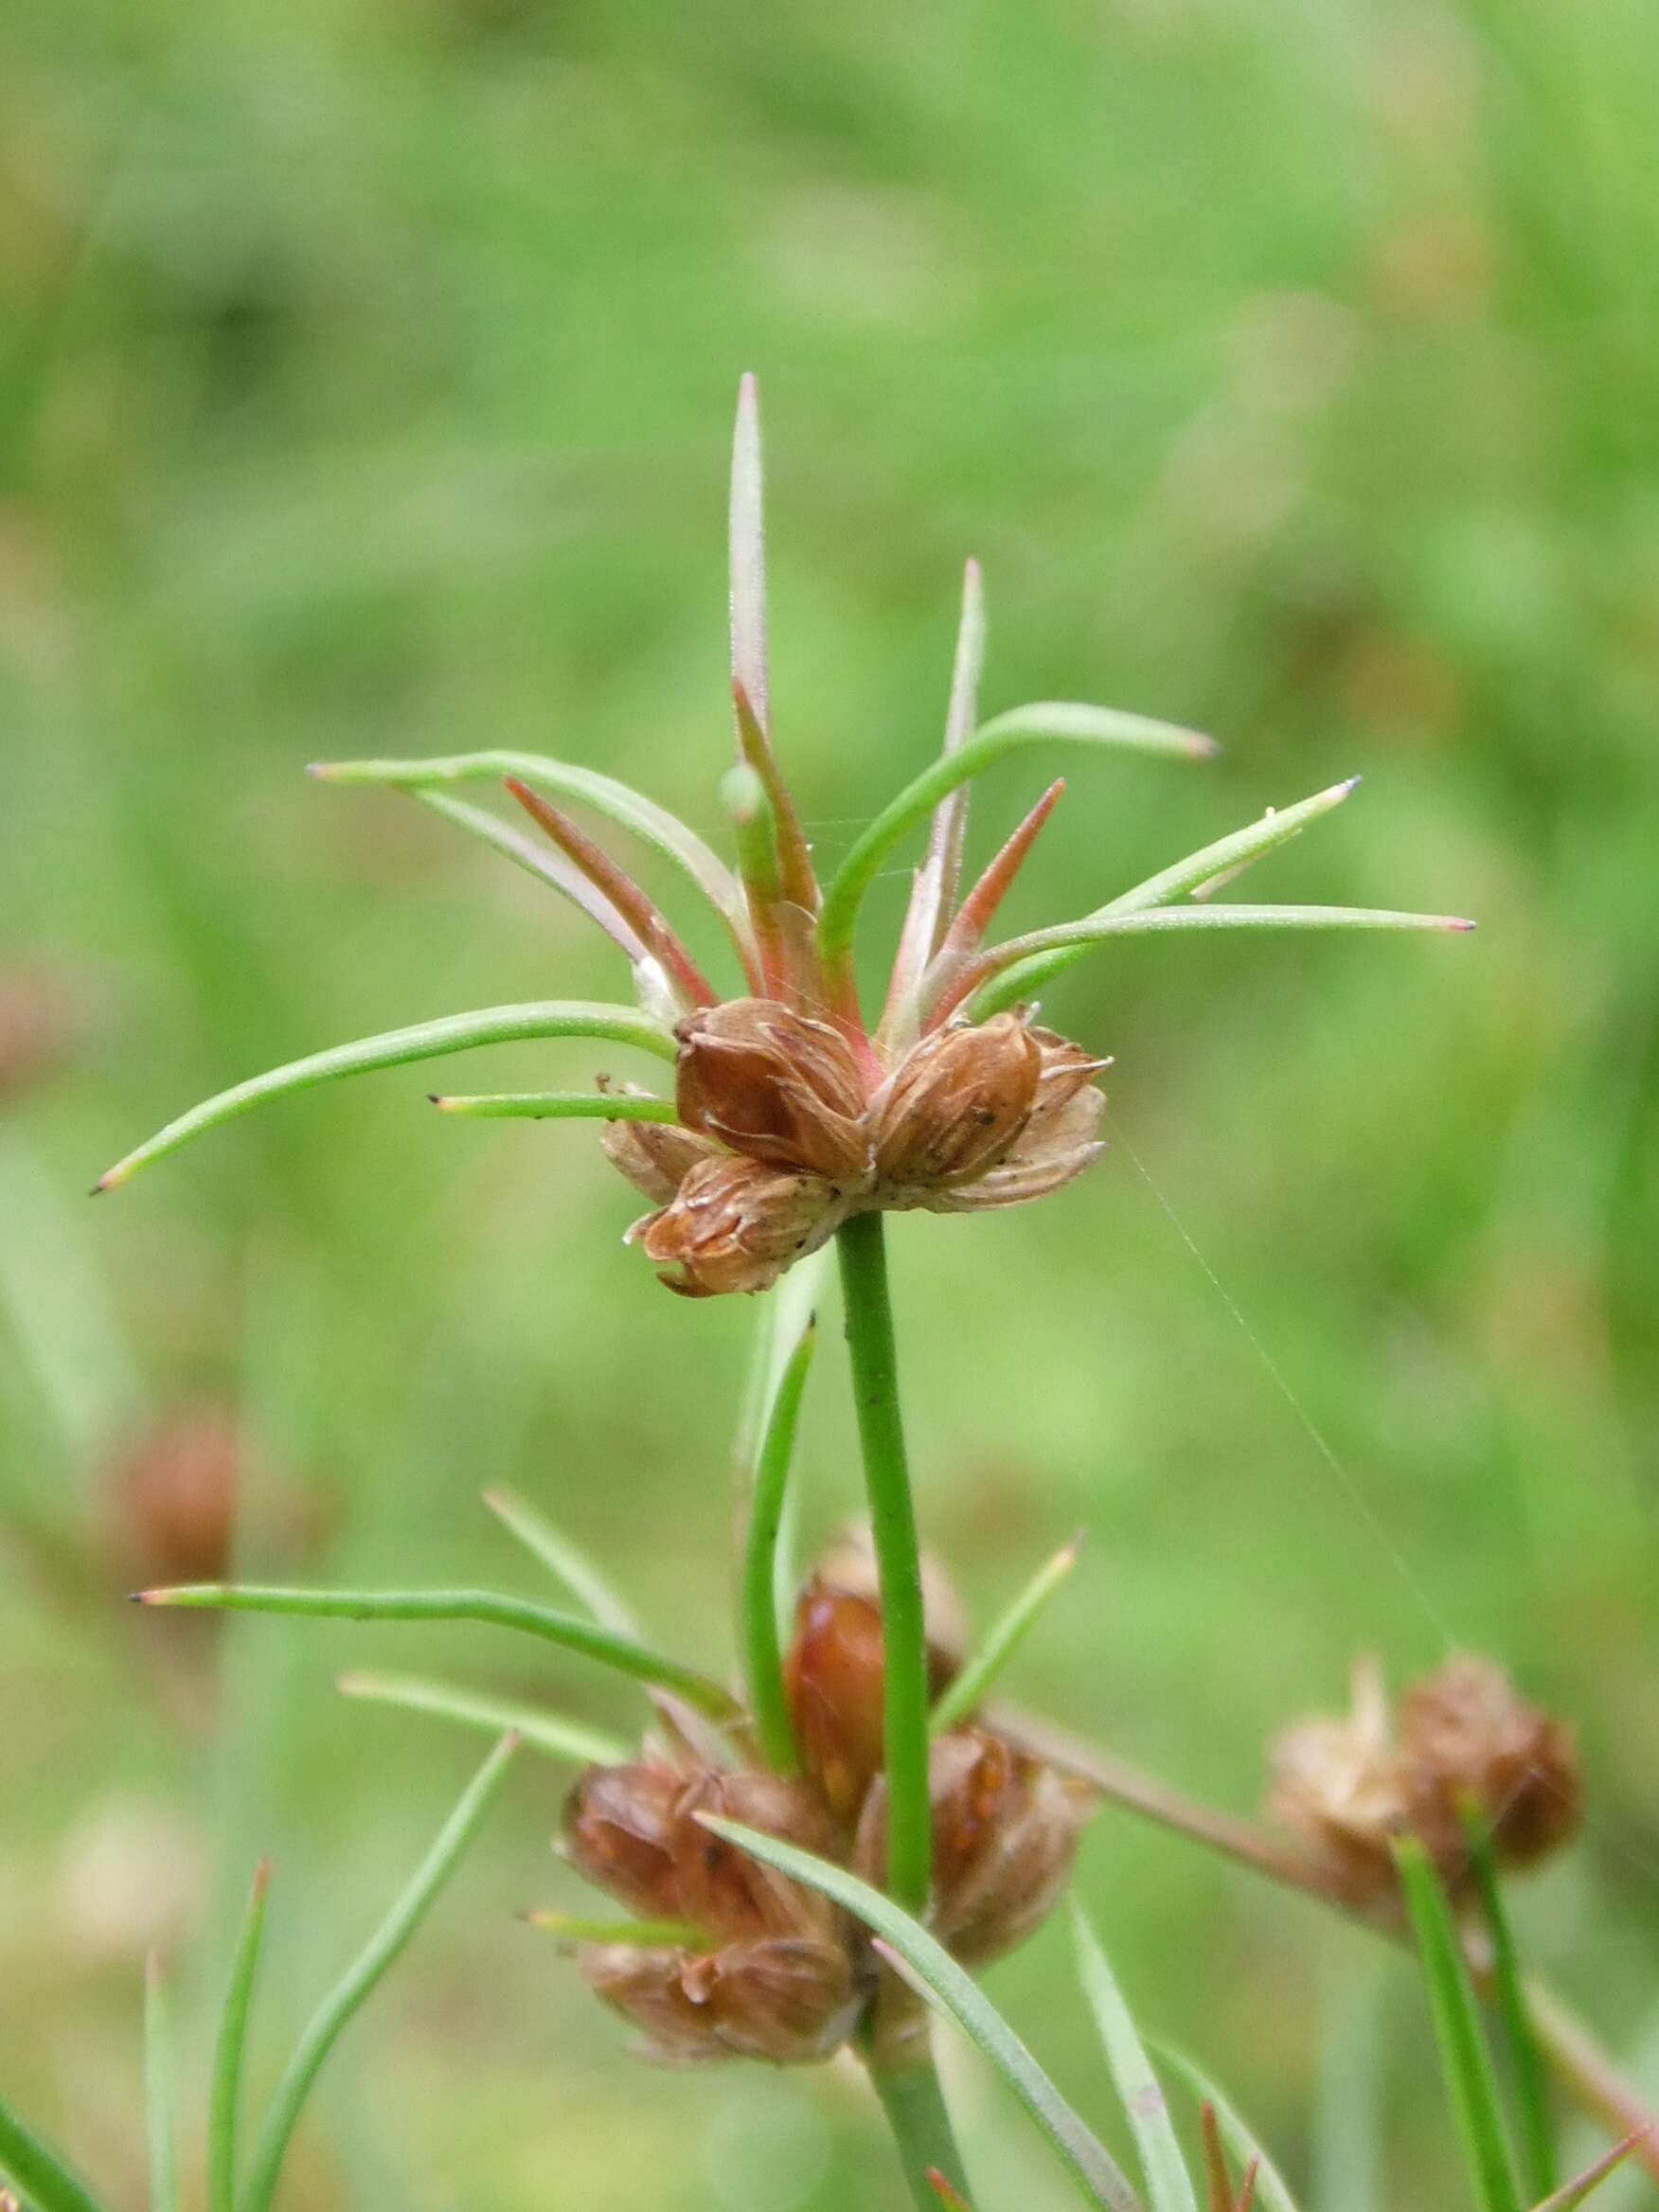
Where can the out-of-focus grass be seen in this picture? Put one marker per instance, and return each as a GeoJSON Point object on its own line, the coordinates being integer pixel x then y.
{"type": "Point", "coordinates": [366, 386]}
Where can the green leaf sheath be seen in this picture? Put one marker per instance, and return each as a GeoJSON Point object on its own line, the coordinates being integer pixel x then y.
{"type": "Point", "coordinates": [875, 1385]}
{"type": "Point", "coordinates": [357, 1985]}
{"type": "Point", "coordinates": [584, 1636]}
{"type": "Point", "coordinates": [762, 1644]}
{"type": "Point", "coordinates": [395, 1049]}
{"type": "Point", "coordinates": [946, 1984]}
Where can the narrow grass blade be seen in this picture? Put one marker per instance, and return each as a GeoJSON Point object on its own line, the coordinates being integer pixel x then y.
{"type": "Point", "coordinates": [1534, 2120]}
{"type": "Point", "coordinates": [46, 2183]}
{"type": "Point", "coordinates": [648, 1934]}
{"type": "Point", "coordinates": [589, 1638]}
{"type": "Point", "coordinates": [395, 1049]}
{"type": "Point", "coordinates": [566, 1562]}
{"type": "Point", "coordinates": [746, 546]}
{"type": "Point", "coordinates": [653, 825]}
{"type": "Point", "coordinates": [557, 1106]}
{"type": "Point", "coordinates": [932, 896]}
{"type": "Point", "coordinates": [549, 1732]}
{"type": "Point", "coordinates": [1190, 878]}
{"type": "Point", "coordinates": [548, 868]}
{"type": "Point", "coordinates": [1465, 2060]}
{"type": "Point", "coordinates": [224, 2093]}
{"type": "Point", "coordinates": [1574, 2193]}
{"type": "Point", "coordinates": [1271, 2191]}
{"type": "Point", "coordinates": [1347, 2131]}
{"type": "Point", "coordinates": [995, 740]}
{"type": "Point", "coordinates": [945, 1985]}
{"type": "Point", "coordinates": [352, 1993]}
{"type": "Point", "coordinates": [762, 1645]}
{"type": "Point", "coordinates": [1157, 921]}
{"type": "Point", "coordinates": [972, 1685]}
{"type": "Point", "coordinates": [1169, 2184]}
{"type": "Point", "coordinates": [160, 2090]}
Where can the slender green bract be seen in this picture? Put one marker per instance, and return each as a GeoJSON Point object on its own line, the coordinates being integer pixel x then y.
{"type": "Point", "coordinates": [352, 1993]}
{"type": "Point", "coordinates": [160, 2090]}
{"type": "Point", "coordinates": [548, 1732]}
{"type": "Point", "coordinates": [1572, 2194]}
{"type": "Point", "coordinates": [1013, 732]}
{"type": "Point", "coordinates": [559, 1106]}
{"type": "Point", "coordinates": [986, 978]}
{"type": "Point", "coordinates": [1465, 2060]}
{"type": "Point", "coordinates": [762, 1644]}
{"type": "Point", "coordinates": [971, 1687]}
{"type": "Point", "coordinates": [631, 809]}
{"type": "Point", "coordinates": [541, 862]}
{"type": "Point", "coordinates": [1536, 2133]}
{"type": "Point", "coordinates": [395, 1049]}
{"type": "Point", "coordinates": [224, 2094]}
{"type": "Point", "coordinates": [880, 1429]}
{"type": "Point", "coordinates": [1169, 2185]}
{"type": "Point", "coordinates": [46, 2182]}
{"type": "Point", "coordinates": [946, 1984]}
{"type": "Point", "coordinates": [647, 1935]}
{"type": "Point", "coordinates": [1228, 856]}
{"type": "Point", "coordinates": [592, 1641]}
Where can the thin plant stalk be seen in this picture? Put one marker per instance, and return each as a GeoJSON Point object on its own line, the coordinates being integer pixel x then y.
{"type": "Point", "coordinates": [762, 1644]}
{"type": "Point", "coordinates": [880, 1429]}
{"type": "Point", "coordinates": [915, 2108]}
{"type": "Point", "coordinates": [1535, 2134]}
{"type": "Point", "coordinates": [972, 1685]}
{"type": "Point", "coordinates": [224, 2093]}
{"type": "Point", "coordinates": [357, 1985]}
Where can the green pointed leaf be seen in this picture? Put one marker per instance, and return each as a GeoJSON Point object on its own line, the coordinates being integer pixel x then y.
{"type": "Point", "coordinates": [589, 1638]}
{"type": "Point", "coordinates": [762, 1644]}
{"type": "Point", "coordinates": [653, 825]}
{"type": "Point", "coordinates": [557, 1106]}
{"type": "Point", "coordinates": [1535, 2122]}
{"type": "Point", "coordinates": [1169, 2185]}
{"type": "Point", "coordinates": [160, 2090]}
{"type": "Point", "coordinates": [46, 2182]}
{"type": "Point", "coordinates": [974, 1684]}
{"type": "Point", "coordinates": [990, 980]}
{"type": "Point", "coordinates": [1465, 2061]}
{"type": "Point", "coordinates": [944, 1983]}
{"type": "Point", "coordinates": [225, 2093]}
{"type": "Point", "coordinates": [349, 1995]}
{"type": "Point", "coordinates": [1271, 2191]}
{"type": "Point", "coordinates": [394, 1048]}
{"type": "Point", "coordinates": [648, 1934]}
{"type": "Point", "coordinates": [548, 1732]}
{"type": "Point", "coordinates": [994, 740]}
{"type": "Point", "coordinates": [1214, 864]}
{"type": "Point", "coordinates": [565, 1559]}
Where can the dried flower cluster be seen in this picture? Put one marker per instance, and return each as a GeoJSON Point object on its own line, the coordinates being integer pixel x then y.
{"type": "Point", "coordinates": [777, 1972]}
{"type": "Point", "coordinates": [1464, 1739]}
{"type": "Point", "coordinates": [784, 1133]}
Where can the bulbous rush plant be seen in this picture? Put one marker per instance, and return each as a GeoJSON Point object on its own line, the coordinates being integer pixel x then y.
{"type": "Point", "coordinates": [798, 1866]}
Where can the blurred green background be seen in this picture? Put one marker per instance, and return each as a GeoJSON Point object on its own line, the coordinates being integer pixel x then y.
{"type": "Point", "coordinates": [366, 386]}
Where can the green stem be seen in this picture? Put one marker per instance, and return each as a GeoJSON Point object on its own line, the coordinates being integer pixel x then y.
{"type": "Point", "coordinates": [915, 2111]}
{"type": "Point", "coordinates": [761, 1642]}
{"type": "Point", "coordinates": [880, 1429]}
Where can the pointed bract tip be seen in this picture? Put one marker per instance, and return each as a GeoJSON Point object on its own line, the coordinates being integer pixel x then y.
{"type": "Point", "coordinates": [444, 1105]}
{"type": "Point", "coordinates": [262, 1877]}
{"type": "Point", "coordinates": [110, 1179]}
{"type": "Point", "coordinates": [1353, 783]}
{"type": "Point", "coordinates": [154, 1970]}
{"type": "Point", "coordinates": [1201, 747]}
{"type": "Point", "coordinates": [1460, 922]}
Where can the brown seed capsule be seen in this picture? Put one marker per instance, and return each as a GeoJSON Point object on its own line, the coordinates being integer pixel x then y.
{"type": "Point", "coordinates": [1467, 1736]}
{"type": "Point", "coordinates": [654, 1155]}
{"type": "Point", "coordinates": [1339, 1784]}
{"type": "Point", "coordinates": [1006, 1830]}
{"type": "Point", "coordinates": [788, 2000]}
{"type": "Point", "coordinates": [1059, 1138]}
{"type": "Point", "coordinates": [833, 1672]}
{"type": "Point", "coordinates": [620, 1830]}
{"type": "Point", "coordinates": [774, 1085]}
{"type": "Point", "coordinates": [956, 1103]}
{"type": "Point", "coordinates": [737, 1225]}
